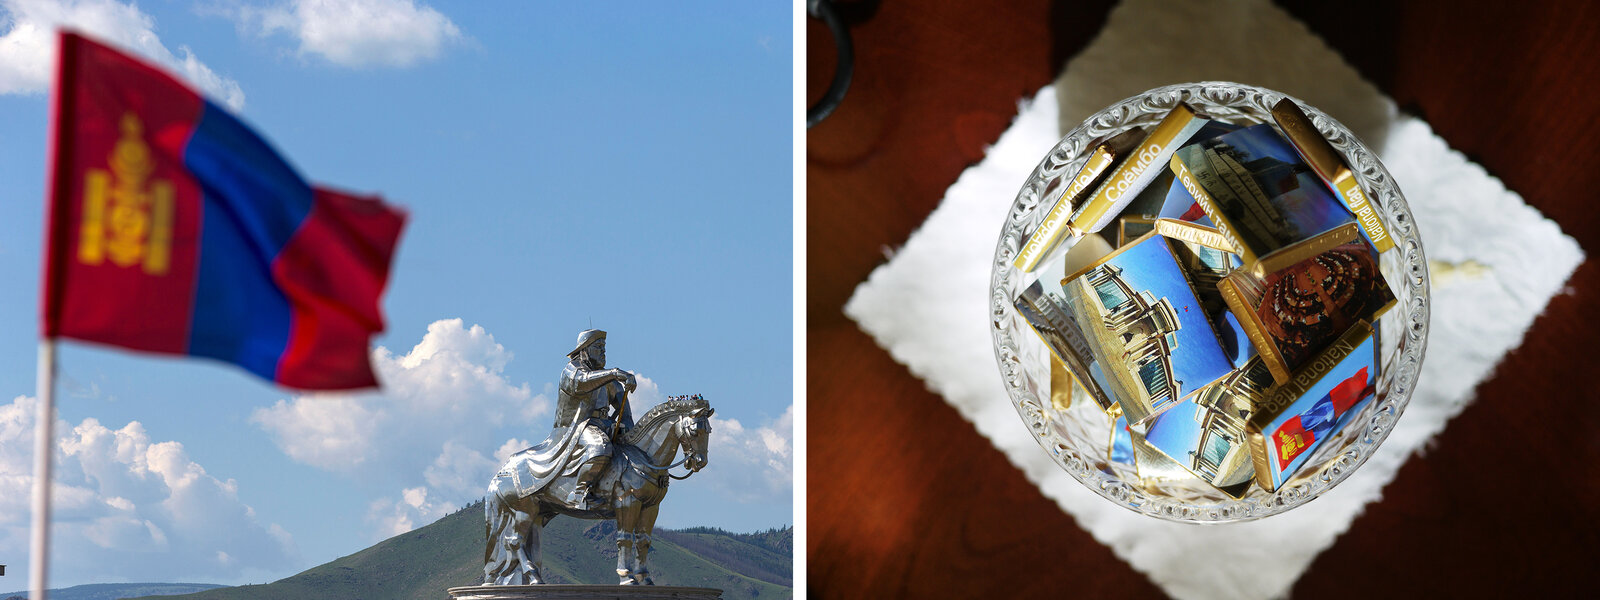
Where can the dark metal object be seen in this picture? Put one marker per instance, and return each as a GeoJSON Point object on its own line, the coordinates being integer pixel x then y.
{"type": "Point", "coordinates": [823, 9]}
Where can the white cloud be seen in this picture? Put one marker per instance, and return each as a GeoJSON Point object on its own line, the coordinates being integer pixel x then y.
{"type": "Point", "coordinates": [459, 471]}
{"type": "Point", "coordinates": [127, 508]}
{"type": "Point", "coordinates": [28, 44]}
{"type": "Point", "coordinates": [449, 389]}
{"type": "Point", "coordinates": [646, 395]}
{"type": "Point", "coordinates": [512, 446]}
{"type": "Point", "coordinates": [390, 517]}
{"type": "Point", "coordinates": [357, 33]}
{"type": "Point", "coordinates": [752, 465]}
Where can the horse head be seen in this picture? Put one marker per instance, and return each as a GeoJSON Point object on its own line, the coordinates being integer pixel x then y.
{"type": "Point", "coordinates": [694, 437]}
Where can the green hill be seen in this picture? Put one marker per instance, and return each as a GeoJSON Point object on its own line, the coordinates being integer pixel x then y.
{"type": "Point", "coordinates": [425, 562]}
{"type": "Point", "coordinates": [117, 591]}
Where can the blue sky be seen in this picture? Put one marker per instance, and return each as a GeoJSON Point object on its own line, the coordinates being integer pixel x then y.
{"type": "Point", "coordinates": [1261, 140]}
{"type": "Point", "coordinates": [562, 165]}
{"type": "Point", "coordinates": [1176, 431]}
{"type": "Point", "coordinates": [1311, 208]}
{"type": "Point", "coordinates": [1198, 359]}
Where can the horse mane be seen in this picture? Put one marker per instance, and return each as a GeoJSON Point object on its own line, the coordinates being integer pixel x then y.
{"type": "Point", "coordinates": [659, 413]}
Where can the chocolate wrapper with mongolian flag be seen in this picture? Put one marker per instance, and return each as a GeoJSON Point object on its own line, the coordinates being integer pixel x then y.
{"type": "Point", "coordinates": [173, 228]}
{"type": "Point", "coordinates": [1293, 419]}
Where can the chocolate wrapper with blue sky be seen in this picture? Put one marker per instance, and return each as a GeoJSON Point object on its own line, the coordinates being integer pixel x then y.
{"type": "Point", "coordinates": [1120, 448]}
{"type": "Point", "coordinates": [1043, 307]}
{"type": "Point", "coordinates": [1269, 197]}
{"type": "Point", "coordinates": [1180, 204]}
{"type": "Point", "coordinates": [1207, 432]}
{"type": "Point", "coordinates": [1141, 331]}
{"type": "Point", "coordinates": [1296, 418]}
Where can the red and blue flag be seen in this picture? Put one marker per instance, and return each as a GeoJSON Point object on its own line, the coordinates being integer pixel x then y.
{"type": "Point", "coordinates": [174, 228]}
{"type": "Point", "coordinates": [1301, 432]}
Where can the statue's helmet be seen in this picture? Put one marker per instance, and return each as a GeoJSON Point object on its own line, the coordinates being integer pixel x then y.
{"type": "Point", "coordinates": [586, 339]}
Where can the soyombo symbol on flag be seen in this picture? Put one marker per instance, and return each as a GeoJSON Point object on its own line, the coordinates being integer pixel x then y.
{"type": "Point", "coordinates": [174, 228]}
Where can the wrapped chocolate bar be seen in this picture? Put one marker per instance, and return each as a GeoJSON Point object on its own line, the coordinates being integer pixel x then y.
{"type": "Point", "coordinates": [1323, 159]}
{"type": "Point", "coordinates": [1206, 432]}
{"type": "Point", "coordinates": [1292, 313]}
{"type": "Point", "coordinates": [1257, 191]}
{"type": "Point", "coordinates": [1134, 323]}
{"type": "Point", "coordinates": [1188, 341]}
{"type": "Point", "coordinates": [1292, 420]}
{"type": "Point", "coordinates": [1046, 312]}
{"type": "Point", "coordinates": [1134, 174]}
{"type": "Point", "coordinates": [1053, 230]}
{"type": "Point", "coordinates": [1126, 185]}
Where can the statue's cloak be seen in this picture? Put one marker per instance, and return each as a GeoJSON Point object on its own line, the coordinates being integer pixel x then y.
{"type": "Point", "coordinates": [563, 451]}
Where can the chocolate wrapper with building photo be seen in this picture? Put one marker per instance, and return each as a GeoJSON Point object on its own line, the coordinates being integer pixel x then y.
{"type": "Point", "coordinates": [1206, 432]}
{"type": "Point", "coordinates": [1292, 314]}
{"type": "Point", "coordinates": [1258, 190]}
{"type": "Point", "coordinates": [1133, 322]}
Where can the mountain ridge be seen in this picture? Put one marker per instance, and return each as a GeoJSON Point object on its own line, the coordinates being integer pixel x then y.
{"type": "Point", "coordinates": [421, 564]}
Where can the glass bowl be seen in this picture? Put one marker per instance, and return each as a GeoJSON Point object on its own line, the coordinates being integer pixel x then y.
{"type": "Point", "coordinates": [1078, 437]}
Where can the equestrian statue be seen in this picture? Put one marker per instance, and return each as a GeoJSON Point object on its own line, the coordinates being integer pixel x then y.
{"type": "Point", "coordinates": [597, 463]}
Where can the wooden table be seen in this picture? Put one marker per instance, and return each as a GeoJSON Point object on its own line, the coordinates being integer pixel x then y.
{"type": "Point", "coordinates": [1515, 87]}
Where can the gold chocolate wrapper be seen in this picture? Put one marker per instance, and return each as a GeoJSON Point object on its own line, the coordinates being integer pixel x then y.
{"type": "Point", "coordinates": [1060, 385]}
{"type": "Point", "coordinates": [1195, 234]}
{"type": "Point", "coordinates": [1217, 414]}
{"type": "Point", "coordinates": [1137, 170]}
{"type": "Point", "coordinates": [1297, 318]}
{"type": "Point", "coordinates": [1275, 401]}
{"type": "Point", "coordinates": [1327, 163]}
{"type": "Point", "coordinates": [1054, 229]}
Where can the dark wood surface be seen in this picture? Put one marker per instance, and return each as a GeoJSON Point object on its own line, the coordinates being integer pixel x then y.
{"type": "Point", "coordinates": [1506, 500]}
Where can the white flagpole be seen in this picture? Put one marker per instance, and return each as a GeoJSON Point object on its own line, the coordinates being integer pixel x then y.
{"type": "Point", "coordinates": [43, 451]}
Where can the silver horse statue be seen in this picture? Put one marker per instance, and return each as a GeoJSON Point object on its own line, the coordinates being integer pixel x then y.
{"type": "Point", "coordinates": [630, 488]}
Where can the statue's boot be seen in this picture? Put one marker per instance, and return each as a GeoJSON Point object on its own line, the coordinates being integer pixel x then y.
{"type": "Point", "coordinates": [582, 496]}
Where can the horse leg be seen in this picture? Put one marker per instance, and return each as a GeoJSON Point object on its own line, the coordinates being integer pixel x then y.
{"type": "Point", "coordinates": [530, 545]}
{"type": "Point", "coordinates": [641, 542]}
{"type": "Point", "coordinates": [503, 544]}
{"type": "Point", "coordinates": [627, 509]}
{"type": "Point", "coordinates": [494, 523]}
{"type": "Point", "coordinates": [515, 564]}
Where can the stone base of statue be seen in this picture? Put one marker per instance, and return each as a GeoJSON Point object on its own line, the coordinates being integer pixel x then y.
{"type": "Point", "coordinates": [560, 591]}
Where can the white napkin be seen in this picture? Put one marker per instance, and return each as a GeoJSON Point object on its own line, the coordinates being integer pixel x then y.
{"type": "Point", "coordinates": [1495, 263]}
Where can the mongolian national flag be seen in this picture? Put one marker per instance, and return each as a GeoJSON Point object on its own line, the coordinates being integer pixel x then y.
{"type": "Point", "coordinates": [1300, 433]}
{"type": "Point", "coordinates": [174, 228]}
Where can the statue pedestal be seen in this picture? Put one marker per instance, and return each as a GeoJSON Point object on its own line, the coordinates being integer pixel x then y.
{"type": "Point", "coordinates": [560, 591]}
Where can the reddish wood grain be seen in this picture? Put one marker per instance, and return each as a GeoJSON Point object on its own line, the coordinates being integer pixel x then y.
{"type": "Point", "coordinates": [1506, 499]}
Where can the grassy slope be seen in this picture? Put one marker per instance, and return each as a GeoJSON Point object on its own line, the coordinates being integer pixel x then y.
{"type": "Point", "coordinates": [424, 563]}
{"type": "Point", "coordinates": [117, 591]}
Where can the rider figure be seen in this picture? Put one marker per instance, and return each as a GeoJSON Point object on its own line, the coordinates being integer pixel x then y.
{"type": "Point", "coordinates": [593, 400]}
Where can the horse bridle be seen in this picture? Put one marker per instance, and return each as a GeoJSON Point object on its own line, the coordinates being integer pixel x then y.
{"type": "Point", "coordinates": [667, 469]}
